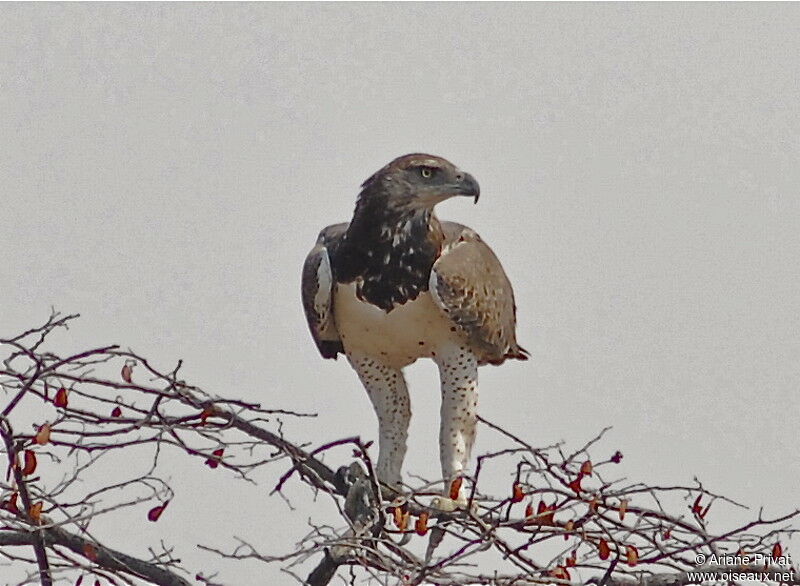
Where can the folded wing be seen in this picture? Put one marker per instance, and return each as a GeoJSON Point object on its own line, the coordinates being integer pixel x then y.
{"type": "Point", "coordinates": [317, 292]}
{"type": "Point", "coordinates": [469, 284]}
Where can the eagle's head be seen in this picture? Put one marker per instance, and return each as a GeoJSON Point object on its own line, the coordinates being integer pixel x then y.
{"type": "Point", "coordinates": [394, 237]}
{"type": "Point", "coordinates": [417, 182]}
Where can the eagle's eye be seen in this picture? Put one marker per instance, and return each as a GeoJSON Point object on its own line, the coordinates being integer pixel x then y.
{"type": "Point", "coordinates": [426, 172]}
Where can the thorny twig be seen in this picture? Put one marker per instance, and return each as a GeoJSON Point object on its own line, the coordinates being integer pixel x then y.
{"type": "Point", "coordinates": [562, 519]}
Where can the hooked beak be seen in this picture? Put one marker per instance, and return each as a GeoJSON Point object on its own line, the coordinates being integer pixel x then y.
{"type": "Point", "coordinates": [467, 185]}
{"type": "Point", "coordinates": [464, 184]}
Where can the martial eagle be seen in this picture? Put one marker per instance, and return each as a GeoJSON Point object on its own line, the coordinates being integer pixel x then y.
{"type": "Point", "coordinates": [397, 284]}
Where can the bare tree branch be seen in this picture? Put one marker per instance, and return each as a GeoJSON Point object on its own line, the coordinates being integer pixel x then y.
{"type": "Point", "coordinates": [566, 517]}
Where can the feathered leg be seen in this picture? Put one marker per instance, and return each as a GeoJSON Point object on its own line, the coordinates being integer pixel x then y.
{"type": "Point", "coordinates": [458, 372]}
{"type": "Point", "coordinates": [387, 390]}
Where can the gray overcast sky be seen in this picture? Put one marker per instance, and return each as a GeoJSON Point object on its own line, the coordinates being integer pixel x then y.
{"type": "Point", "coordinates": [165, 169]}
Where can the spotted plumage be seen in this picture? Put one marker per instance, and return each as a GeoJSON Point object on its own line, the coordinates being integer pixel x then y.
{"type": "Point", "coordinates": [394, 285]}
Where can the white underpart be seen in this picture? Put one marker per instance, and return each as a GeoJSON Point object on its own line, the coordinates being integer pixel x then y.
{"type": "Point", "coordinates": [416, 329]}
{"type": "Point", "coordinates": [380, 344]}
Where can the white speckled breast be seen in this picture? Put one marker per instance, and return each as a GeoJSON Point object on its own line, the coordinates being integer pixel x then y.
{"type": "Point", "coordinates": [410, 331]}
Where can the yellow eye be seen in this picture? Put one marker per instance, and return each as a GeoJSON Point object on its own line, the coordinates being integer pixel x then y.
{"type": "Point", "coordinates": [426, 172]}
